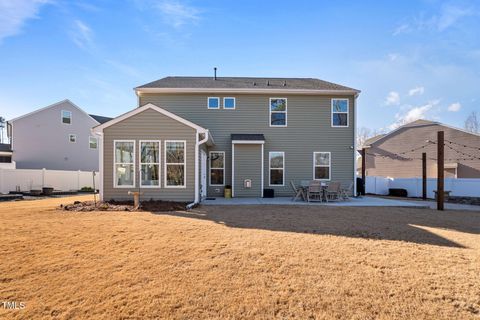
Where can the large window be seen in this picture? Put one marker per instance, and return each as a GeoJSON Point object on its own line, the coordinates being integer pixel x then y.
{"type": "Point", "coordinates": [278, 112]}
{"type": "Point", "coordinates": [339, 112]}
{"type": "Point", "coordinates": [228, 103]}
{"type": "Point", "coordinates": [92, 143]}
{"type": "Point", "coordinates": [150, 163]}
{"type": "Point", "coordinates": [213, 103]}
{"type": "Point", "coordinates": [66, 117]}
{"type": "Point", "coordinates": [175, 164]}
{"type": "Point", "coordinates": [124, 167]}
{"type": "Point", "coordinates": [321, 165]}
{"type": "Point", "coordinates": [217, 168]}
{"type": "Point", "coordinates": [277, 168]}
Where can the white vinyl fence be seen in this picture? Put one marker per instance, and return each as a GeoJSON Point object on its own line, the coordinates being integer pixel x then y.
{"type": "Point", "coordinates": [458, 187]}
{"type": "Point", "coordinates": [31, 179]}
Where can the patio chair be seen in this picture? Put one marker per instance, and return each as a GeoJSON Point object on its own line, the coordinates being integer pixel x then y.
{"type": "Point", "coordinates": [345, 192]}
{"type": "Point", "coordinates": [315, 191]}
{"type": "Point", "coordinates": [297, 191]}
{"type": "Point", "coordinates": [332, 193]}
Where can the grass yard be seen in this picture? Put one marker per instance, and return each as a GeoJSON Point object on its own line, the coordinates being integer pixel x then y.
{"type": "Point", "coordinates": [239, 262]}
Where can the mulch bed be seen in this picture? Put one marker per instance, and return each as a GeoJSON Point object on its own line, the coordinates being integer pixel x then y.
{"type": "Point", "coordinates": [150, 205]}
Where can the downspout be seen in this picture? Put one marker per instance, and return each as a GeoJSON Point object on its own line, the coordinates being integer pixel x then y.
{"type": "Point", "coordinates": [100, 161]}
{"type": "Point", "coordinates": [355, 145]}
{"type": "Point", "coordinates": [197, 152]}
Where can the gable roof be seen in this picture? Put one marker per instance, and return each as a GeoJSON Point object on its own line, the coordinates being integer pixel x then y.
{"type": "Point", "coordinates": [51, 106]}
{"type": "Point", "coordinates": [373, 139]}
{"type": "Point", "coordinates": [148, 106]}
{"type": "Point", "coordinates": [413, 124]}
{"type": "Point", "coordinates": [245, 84]}
{"type": "Point", "coordinates": [100, 119]}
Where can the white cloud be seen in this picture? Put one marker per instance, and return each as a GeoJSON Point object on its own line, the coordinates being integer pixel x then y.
{"type": "Point", "coordinates": [450, 15]}
{"type": "Point", "coordinates": [403, 28]}
{"type": "Point", "coordinates": [392, 56]}
{"type": "Point", "coordinates": [14, 14]}
{"type": "Point", "coordinates": [176, 13]}
{"type": "Point", "coordinates": [416, 91]}
{"type": "Point", "coordinates": [413, 113]}
{"type": "Point", "coordinates": [82, 35]}
{"type": "Point", "coordinates": [393, 98]}
{"type": "Point", "coordinates": [454, 107]}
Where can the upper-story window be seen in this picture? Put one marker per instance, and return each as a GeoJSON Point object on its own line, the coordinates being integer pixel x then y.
{"type": "Point", "coordinates": [228, 103]}
{"type": "Point", "coordinates": [339, 112]}
{"type": "Point", "coordinates": [72, 138]}
{"type": "Point", "coordinates": [213, 103]}
{"type": "Point", "coordinates": [66, 117]}
{"type": "Point", "coordinates": [278, 112]}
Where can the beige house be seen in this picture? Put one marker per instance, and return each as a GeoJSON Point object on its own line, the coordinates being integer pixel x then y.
{"type": "Point", "coordinates": [191, 137]}
{"type": "Point", "coordinates": [398, 154]}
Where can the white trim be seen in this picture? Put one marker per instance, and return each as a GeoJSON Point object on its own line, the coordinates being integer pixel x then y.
{"type": "Point", "coordinates": [61, 117]}
{"type": "Point", "coordinates": [355, 147]}
{"type": "Point", "coordinates": [262, 173]}
{"type": "Point", "coordinates": [323, 166]}
{"type": "Point", "coordinates": [234, 103]}
{"type": "Point", "coordinates": [347, 112]}
{"type": "Point", "coordinates": [70, 135]}
{"type": "Point", "coordinates": [233, 170]}
{"type": "Point", "coordinates": [96, 139]}
{"type": "Point", "coordinates": [210, 169]}
{"type": "Point", "coordinates": [197, 169]}
{"type": "Point", "coordinates": [270, 113]}
{"type": "Point", "coordinates": [51, 106]}
{"type": "Point", "coordinates": [147, 186]}
{"type": "Point", "coordinates": [246, 90]}
{"type": "Point", "coordinates": [270, 170]}
{"type": "Point", "coordinates": [115, 163]}
{"type": "Point", "coordinates": [6, 153]}
{"type": "Point", "coordinates": [248, 141]}
{"type": "Point", "coordinates": [184, 186]}
{"type": "Point", "coordinates": [135, 111]}
{"type": "Point", "coordinates": [218, 103]}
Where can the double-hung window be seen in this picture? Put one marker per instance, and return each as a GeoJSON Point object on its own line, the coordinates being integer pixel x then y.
{"type": "Point", "coordinates": [277, 168]}
{"type": "Point", "coordinates": [321, 165]}
{"type": "Point", "coordinates": [217, 168]}
{"type": "Point", "coordinates": [339, 112]}
{"type": "Point", "coordinates": [213, 103]}
{"type": "Point", "coordinates": [150, 163]}
{"type": "Point", "coordinates": [124, 163]}
{"type": "Point", "coordinates": [175, 163]}
{"type": "Point", "coordinates": [66, 117]}
{"type": "Point", "coordinates": [92, 142]}
{"type": "Point", "coordinates": [278, 112]}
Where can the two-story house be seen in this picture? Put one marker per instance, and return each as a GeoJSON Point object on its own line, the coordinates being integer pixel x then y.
{"type": "Point", "coordinates": [56, 137]}
{"type": "Point", "coordinates": [189, 137]}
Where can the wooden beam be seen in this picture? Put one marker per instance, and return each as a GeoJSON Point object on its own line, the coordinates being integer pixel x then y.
{"type": "Point", "coordinates": [441, 169]}
{"type": "Point", "coordinates": [424, 176]}
{"type": "Point", "coordinates": [364, 175]}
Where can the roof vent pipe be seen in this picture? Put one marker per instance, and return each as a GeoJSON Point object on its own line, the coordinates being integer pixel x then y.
{"type": "Point", "coordinates": [285, 83]}
{"type": "Point", "coordinates": [215, 73]}
{"type": "Point", "coordinates": [268, 82]}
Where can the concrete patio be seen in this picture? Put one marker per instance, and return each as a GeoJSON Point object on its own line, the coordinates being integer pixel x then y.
{"type": "Point", "coordinates": [365, 201]}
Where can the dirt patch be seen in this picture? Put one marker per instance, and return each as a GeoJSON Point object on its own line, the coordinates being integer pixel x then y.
{"type": "Point", "coordinates": [150, 205]}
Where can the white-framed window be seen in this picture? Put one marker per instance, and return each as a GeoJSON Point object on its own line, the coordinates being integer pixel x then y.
{"type": "Point", "coordinates": [217, 168]}
{"type": "Point", "coordinates": [213, 103]}
{"type": "Point", "coordinates": [66, 117]}
{"type": "Point", "coordinates": [278, 112]}
{"type": "Point", "coordinates": [229, 103]}
{"type": "Point", "coordinates": [322, 165]}
{"type": "Point", "coordinates": [150, 163]}
{"type": "Point", "coordinates": [92, 142]}
{"type": "Point", "coordinates": [175, 163]}
{"type": "Point", "coordinates": [124, 163]}
{"type": "Point", "coordinates": [276, 168]}
{"type": "Point", "coordinates": [340, 113]}
{"type": "Point", "coordinates": [72, 138]}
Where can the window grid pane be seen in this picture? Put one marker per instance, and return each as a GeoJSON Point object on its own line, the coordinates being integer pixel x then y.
{"type": "Point", "coordinates": [124, 163]}
{"type": "Point", "coordinates": [175, 163]}
{"type": "Point", "coordinates": [150, 163]}
{"type": "Point", "coordinates": [322, 165]}
{"type": "Point", "coordinates": [217, 167]}
{"type": "Point", "coordinates": [277, 165]}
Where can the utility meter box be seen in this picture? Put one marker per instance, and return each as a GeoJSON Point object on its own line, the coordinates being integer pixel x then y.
{"type": "Point", "coordinates": [247, 183]}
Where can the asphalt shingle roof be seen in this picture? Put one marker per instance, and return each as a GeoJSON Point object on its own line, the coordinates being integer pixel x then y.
{"type": "Point", "coordinates": [100, 119]}
{"type": "Point", "coordinates": [244, 83]}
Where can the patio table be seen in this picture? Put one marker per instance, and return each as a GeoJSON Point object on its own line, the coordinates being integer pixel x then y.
{"type": "Point", "coordinates": [304, 184]}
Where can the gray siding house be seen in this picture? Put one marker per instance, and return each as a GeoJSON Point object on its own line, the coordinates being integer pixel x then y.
{"type": "Point", "coordinates": [189, 137]}
{"type": "Point", "coordinates": [57, 137]}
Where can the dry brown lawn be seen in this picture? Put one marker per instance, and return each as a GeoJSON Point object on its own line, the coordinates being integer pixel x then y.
{"type": "Point", "coordinates": [239, 262]}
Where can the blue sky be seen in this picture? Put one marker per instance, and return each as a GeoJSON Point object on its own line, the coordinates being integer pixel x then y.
{"type": "Point", "coordinates": [411, 59]}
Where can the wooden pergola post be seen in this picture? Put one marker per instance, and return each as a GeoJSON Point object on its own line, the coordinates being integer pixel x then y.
{"type": "Point", "coordinates": [364, 176]}
{"type": "Point", "coordinates": [441, 169]}
{"type": "Point", "coordinates": [424, 176]}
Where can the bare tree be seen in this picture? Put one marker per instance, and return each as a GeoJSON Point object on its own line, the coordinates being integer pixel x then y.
{"type": "Point", "coordinates": [472, 123]}
{"type": "Point", "coordinates": [363, 134]}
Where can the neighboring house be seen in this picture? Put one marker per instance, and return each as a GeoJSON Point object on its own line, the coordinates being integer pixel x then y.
{"type": "Point", "coordinates": [391, 155]}
{"type": "Point", "coordinates": [6, 156]}
{"type": "Point", "coordinates": [192, 136]}
{"type": "Point", "coordinates": [57, 137]}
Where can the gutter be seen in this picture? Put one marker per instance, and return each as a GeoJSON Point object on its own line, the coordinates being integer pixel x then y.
{"type": "Point", "coordinates": [197, 147]}
{"type": "Point", "coordinates": [139, 90]}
